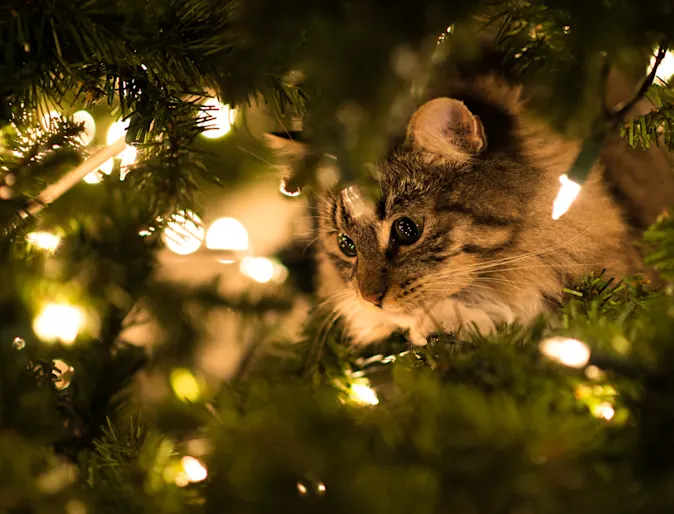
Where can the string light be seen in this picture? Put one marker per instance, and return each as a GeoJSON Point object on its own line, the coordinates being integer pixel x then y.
{"type": "Point", "coordinates": [87, 135]}
{"type": "Point", "coordinates": [185, 386]}
{"type": "Point", "coordinates": [127, 156]}
{"type": "Point", "coordinates": [570, 352]}
{"type": "Point", "coordinates": [227, 234]}
{"type": "Point", "coordinates": [222, 116]}
{"type": "Point", "coordinates": [568, 192]}
{"type": "Point", "coordinates": [184, 233]}
{"type": "Point", "coordinates": [363, 394]}
{"type": "Point", "coordinates": [59, 322]}
{"type": "Point", "coordinates": [263, 270]}
{"type": "Point", "coordinates": [194, 469]}
{"type": "Point", "coordinates": [44, 240]}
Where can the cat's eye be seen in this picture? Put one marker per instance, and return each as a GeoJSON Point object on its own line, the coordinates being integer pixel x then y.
{"type": "Point", "coordinates": [346, 245]}
{"type": "Point", "coordinates": [407, 231]}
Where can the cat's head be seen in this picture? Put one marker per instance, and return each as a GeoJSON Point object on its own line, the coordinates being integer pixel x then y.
{"type": "Point", "coordinates": [452, 200]}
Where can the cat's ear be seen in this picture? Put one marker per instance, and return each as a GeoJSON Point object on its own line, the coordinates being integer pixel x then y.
{"type": "Point", "coordinates": [445, 126]}
{"type": "Point", "coordinates": [286, 149]}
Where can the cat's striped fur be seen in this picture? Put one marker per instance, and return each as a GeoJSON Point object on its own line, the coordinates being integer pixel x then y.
{"type": "Point", "coordinates": [483, 179]}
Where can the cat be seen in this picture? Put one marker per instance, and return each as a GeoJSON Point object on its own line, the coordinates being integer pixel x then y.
{"type": "Point", "coordinates": [461, 236]}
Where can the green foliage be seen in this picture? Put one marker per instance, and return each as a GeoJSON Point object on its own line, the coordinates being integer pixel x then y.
{"type": "Point", "coordinates": [656, 125]}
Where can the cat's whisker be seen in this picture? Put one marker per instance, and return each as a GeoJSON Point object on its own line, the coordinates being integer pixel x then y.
{"type": "Point", "coordinates": [335, 297]}
{"type": "Point", "coordinates": [583, 265]}
{"type": "Point", "coordinates": [498, 262]}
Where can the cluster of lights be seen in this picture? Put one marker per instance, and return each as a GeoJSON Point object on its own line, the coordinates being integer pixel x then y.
{"type": "Point", "coordinates": [185, 234]}
{"type": "Point", "coordinates": [192, 471]}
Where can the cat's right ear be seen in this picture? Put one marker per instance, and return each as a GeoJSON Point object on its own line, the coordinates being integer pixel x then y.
{"type": "Point", "coordinates": [445, 127]}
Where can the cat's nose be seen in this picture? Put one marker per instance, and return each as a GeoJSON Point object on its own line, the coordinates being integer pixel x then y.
{"type": "Point", "coordinates": [374, 298]}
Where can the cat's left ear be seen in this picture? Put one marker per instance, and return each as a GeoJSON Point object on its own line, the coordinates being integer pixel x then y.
{"type": "Point", "coordinates": [445, 127]}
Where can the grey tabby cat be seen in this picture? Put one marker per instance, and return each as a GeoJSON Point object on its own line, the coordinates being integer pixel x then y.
{"type": "Point", "coordinates": [462, 235]}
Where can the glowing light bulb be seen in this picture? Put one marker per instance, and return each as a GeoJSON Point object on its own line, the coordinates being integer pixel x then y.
{"type": "Point", "coordinates": [185, 386]}
{"type": "Point", "coordinates": [117, 130]}
{"type": "Point", "coordinates": [184, 233]}
{"type": "Point", "coordinates": [87, 135]}
{"type": "Point", "coordinates": [95, 177]}
{"type": "Point", "coordinates": [44, 240]}
{"type": "Point", "coordinates": [604, 410]}
{"type": "Point", "coordinates": [64, 372]}
{"type": "Point", "coordinates": [263, 270]}
{"type": "Point", "coordinates": [194, 469]}
{"type": "Point", "coordinates": [222, 119]}
{"type": "Point", "coordinates": [666, 68]}
{"type": "Point", "coordinates": [283, 187]}
{"type": "Point", "coordinates": [59, 322]}
{"type": "Point", "coordinates": [227, 234]}
{"type": "Point", "coordinates": [49, 119]}
{"type": "Point", "coordinates": [363, 394]}
{"type": "Point", "coordinates": [568, 193]}
{"type": "Point", "coordinates": [570, 352]}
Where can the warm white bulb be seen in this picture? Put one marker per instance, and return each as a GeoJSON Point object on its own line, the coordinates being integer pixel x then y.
{"type": "Point", "coordinates": [44, 240]}
{"type": "Point", "coordinates": [568, 193]}
{"type": "Point", "coordinates": [227, 234]}
{"type": "Point", "coordinates": [116, 131]}
{"type": "Point", "coordinates": [604, 410]}
{"type": "Point", "coordinates": [364, 394]}
{"type": "Point", "coordinates": [194, 469]}
{"type": "Point", "coordinates": [58, 322]}
{"type": "Point", "coordinates": [222, 119]}
{"type": "Point", "coordinates": [95, 177]}
{"type": "Point", "coordinates": [666, 67]}
{"type": "Point", "coordinates": [87, 135]}
{"type": "Point", "coordinates": [259, 269]}
{"type": "Point", "coordinates": [570, 352]}
{"type": "Point", "coordinates": [184, 233]}
{"type": "Point", "coordinates": [50, 118]}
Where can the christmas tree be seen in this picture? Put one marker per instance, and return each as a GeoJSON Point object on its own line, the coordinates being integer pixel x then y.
{"type": "Point", "coordinates": [125, 124]}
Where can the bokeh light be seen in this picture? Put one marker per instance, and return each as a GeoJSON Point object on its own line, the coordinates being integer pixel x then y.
{"type": "Point", "coordinates": [227, 234]}
{"type": "Point", "coordinates": [184, 233]}
{"type": "Point", "coordinates": [44, 240]}
{"type": "Point", "coordinates": [59, 322]}
{"type": "Point", "coordinates": [222, 119]}
{"type": "Point", "coordinates": [87, 135]}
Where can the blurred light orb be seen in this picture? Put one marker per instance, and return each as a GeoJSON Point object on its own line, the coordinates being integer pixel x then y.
{"type": "Point", "coordinates": [184, 233]}
{"type": "Point", "coordinates": [116, 131]}
{"type": "Point", "coordinates": [363, 394]}
{"type": "Point", "coordinates": [65, 373]}
{"type": "Point", "coordinates": [95, 176]}
{"type": "Point", "coordinates": [222, 119]}
{"type": "Point", "coordinates": [59, 322]}
{"type": "Point", "coordinates": [18, 343]}
{"type": "Point", "coordinates": [570, 352]}
{"type": "Point", "coordinates": [604, 410]}
{"type": "Point", "coordinates": [263, 270]}
{"type": "Point", "coordinates": [44, 240]}
{"type": "Point", "coordinates": [194, 469]}
{"type": "Point", "coordinates": [49, 119]}
{"type": "Point", "coordinates": [185, 385]}
{"type": "Point", "coordinates": [227, 234]}
{"type": "Point", "coordinates": [87, 135]}
{"type": "Point", "coordinates": [666, 68]}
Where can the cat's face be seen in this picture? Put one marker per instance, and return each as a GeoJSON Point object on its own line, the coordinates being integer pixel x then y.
{"type": "Point", "coordinates": [446, 210]}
